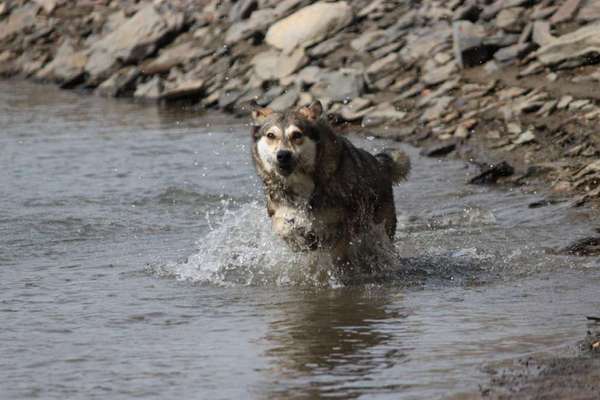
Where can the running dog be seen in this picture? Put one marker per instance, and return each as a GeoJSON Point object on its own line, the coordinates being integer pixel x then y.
{"type": "Point", "coordinates": [322, 191]}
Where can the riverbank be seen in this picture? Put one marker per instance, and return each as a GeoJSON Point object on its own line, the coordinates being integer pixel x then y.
{"type": "Point", "coordinates": [511, 82]}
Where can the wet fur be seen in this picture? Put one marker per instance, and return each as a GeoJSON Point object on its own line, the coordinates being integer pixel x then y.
{"type": "Point", "coordinates": [334, 195]}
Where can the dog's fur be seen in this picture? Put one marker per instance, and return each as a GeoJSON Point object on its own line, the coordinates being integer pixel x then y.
{"type": "Point", "coordinates": [322, 191]}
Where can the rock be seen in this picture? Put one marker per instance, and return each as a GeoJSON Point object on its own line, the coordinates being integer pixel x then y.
{"type": "Point", "coordinates": [541, 33]}
{"type": "Point", "coordinates": [20, 20]}
{"type": "Point", "coordinates": [565, 12]}
{"type": "Point", "coordinates": [228, 98]}
{"type": "Point", "coordinates": [120, 82]}
{"type": "Point", "coordinates": [430, 97]}
{"type": "Point", "coordinates": [3, 8]}
{"type": "Point", "coordinates": [356, 109]}
{"type": "Point", "coordinates": [382, 68]}
{"type": "Point", "coordinates": [257, 23]}
{"type": "Point", "coordinates": [309, 25]}
{"type": "Point", "coordinates": [273, 64]}
{"type": "Point", "coordinates": [286, 101]}
{"type": "Point", "coordinates": [172, 57]}
{"type": "Point", "coordinates": [242, 9]}
{"type": "Point", "coordinates": [326, 47]}
{"type": "Point", "coordinates": [438, 150]}
{"type": "Point", "coordinates": [491, 174]}
{"type": "Point", "coordinates": [468, 47]}
{"type": "Point", "coordinates": [578, 104]}
{"type": "Point", "coordinates": [510, 53]}
{"type": "Point", "coordinates": [525, 137]}
{"type": "Point", "coordinates": [342, 85]}
{"type": "Point", "coordinates": [400, 85]}
{"type": "Point", "coordinates": [585, 247]}
{"type": "Point", "coordinates": [571, 48]}
{"type": "Point", "coordinates": [510, 19]}
{"type": "Point", "coordinates": [269, 96]}
{"type": "Point", "coordinates": [365, 41]}
{"type": "Point", "coordinates": [469, 11]}
{"type": "Point", "coordinates": [150, 90]}
{"type": "Point", "coordinates": [67, 68]}
{"type": "Point", "coordinates": [439, 108]}
{"type": "Point", "coordinates": [564, 102]}
{"type": "Point", "coordinates": [383, 113]}
{"type": "Point", "coordinates": [424, 42]}
{"type": "Point", "coordinates": [439, 75]}
{"type": "Point", "coordinates": [589, 11]}
{"type": "Point", "coordinates": [47, 5]}
{"type": "Point", "coordinates": [139, 37]}
{"type": "Point", "coordinates": [184, 88]}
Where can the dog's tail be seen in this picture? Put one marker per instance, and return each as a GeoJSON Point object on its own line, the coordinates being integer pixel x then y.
{"type": "Point", "coordinates": [396, 162]}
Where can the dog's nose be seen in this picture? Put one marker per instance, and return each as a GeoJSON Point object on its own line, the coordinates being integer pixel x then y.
{"type": "Point", "coordinates": [284, 156]}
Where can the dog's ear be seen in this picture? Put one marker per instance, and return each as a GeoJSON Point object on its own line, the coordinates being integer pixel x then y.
{"type": "Point", "coordinates": [259, 115]}
{"type": "Point", "coordinates": [312, 112]}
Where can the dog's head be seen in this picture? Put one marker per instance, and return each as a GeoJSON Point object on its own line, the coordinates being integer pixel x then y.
{"type": "Point", "coordinates": [287, 142]}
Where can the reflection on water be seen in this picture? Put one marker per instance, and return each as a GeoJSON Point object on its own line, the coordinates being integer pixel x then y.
{"type": "Point", "coordinates": [136, 260]}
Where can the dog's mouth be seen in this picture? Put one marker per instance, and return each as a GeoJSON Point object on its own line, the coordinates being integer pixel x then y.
{"type": "Point", "coordinates": [285, 169]}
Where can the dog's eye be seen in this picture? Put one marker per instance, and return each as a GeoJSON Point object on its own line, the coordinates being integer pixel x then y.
{"type": "Point", "coordinates": [296, 135]}
{"type": "Point", "coordinates": [270, 135]}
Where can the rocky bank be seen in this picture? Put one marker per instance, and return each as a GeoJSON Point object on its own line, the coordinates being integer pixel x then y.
{"type": "Point", "coordinates": [510, 84]}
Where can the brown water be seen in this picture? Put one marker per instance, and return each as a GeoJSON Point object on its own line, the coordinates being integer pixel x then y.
{"type": "Point", "coordinates": [136, 260]}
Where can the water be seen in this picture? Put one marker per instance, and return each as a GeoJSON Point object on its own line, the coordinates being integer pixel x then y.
{"type": "Point", "coordinates": [136, 260]}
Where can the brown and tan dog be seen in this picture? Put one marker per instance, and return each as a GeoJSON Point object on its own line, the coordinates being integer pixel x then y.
{"type": "Point", "coordinates": [322, 191]}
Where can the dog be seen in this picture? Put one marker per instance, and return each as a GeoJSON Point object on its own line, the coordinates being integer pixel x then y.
{"type": "Point", "coordinates": [322, 192]}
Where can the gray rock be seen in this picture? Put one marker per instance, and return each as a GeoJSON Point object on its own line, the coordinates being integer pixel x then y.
{"type": "Point", "coordinates": [356, 109]}
{"type": "Point", "coordinates": [20, 20]}
{"type": "Point", "coordinates": [469, 11]}
{"type": "Point", "coordinates": [309, 25]}
{"type": "Point", "coordinates": [440, 74]}
{"type": "Point", "coordinates": [228, 98]}
{"type": "Point", "coordinates": [139, 37]}
{"type": "Point", "coordinates": [339, 85]}
{"type": "Point", "coordinates": [510, 53]}
{"type": "Point", "coordinates": [565, 12]}
{"type": "Point", "coordinates": [150, 90]}
{"type": "Point", "coordinates": [468, 45]}
{"type": "Point", "coordinates": [439, 108]}
{"type": "Point", "coordinates": [242, 10]}
{"type": "Point", "coordinates": [119, 83]}
{"type": "Point", "coordinates": [66, 68]}
{"type": "Point", "coordinates": [184, 88]}
{"type": "Point", "coordinates": [365, 41]}
{"type": "Point", "coordinates": [573, 47]}
{"type": "Point", "coordinates": [174, 56]}
{"type": "Point", "coordinates": [269, 96]}
{"type": "Point", "coordinates": [326, 47]}
{"type": "Point", "coordinates": [541, 33]}
{"type": "Point", "coordinates": [286, 101]}
{"type": "Point", "coordinates": [257, 23]}
{"type": "Point", "coordinates": [589, 11]}
{"type": "Point", "coordinates": [47, 5]}
{"type": "Point", "coordinates": [382, 114]}
{"type": "Point", "coordinates": [510, 19]}
{"type": "Point", "coordinates": [501, 40]}
{"type": "Point", "coordinates": [273, 64]}
{"type": "Point", "coordinates": [492, 173]}
{"type": "Point", "coordinates": [383, 67]}
{"type": "Point", "coordinates": [525, 137]}
{"type": "Point", "coordinates": [425, 42]}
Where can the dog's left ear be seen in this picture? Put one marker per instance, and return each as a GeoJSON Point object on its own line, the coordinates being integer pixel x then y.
{"type": "Point", "coordinates": [260, 114]}
{"type": "Point", "coordinates": [312, 112]}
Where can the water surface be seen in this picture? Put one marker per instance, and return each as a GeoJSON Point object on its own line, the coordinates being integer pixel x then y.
{"type": "Point", "coordinates": [136, 260]}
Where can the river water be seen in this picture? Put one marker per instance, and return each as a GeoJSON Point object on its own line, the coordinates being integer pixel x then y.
{"type": "Point", "coordinates": [136, 260]}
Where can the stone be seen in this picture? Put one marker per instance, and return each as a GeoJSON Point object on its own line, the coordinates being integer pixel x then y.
{"type": "Point", "coordinates": [467, 39]}
{"type": "Point", "coordinates": [140, 36]}
{"type": "Point", "coordinates": [578, 104]}
{"type": "Point", "coordinates": [3, 8]}
{"type": "Point", "coordinates": [326, 47]}
{"type": "Point", "coordinates": [382, 67]}
{"type": "Point", "coordinates": [365, 41]}
{"type": "Point", "coordinates": [425, 42]}
{"type": "Point", "coordinates": [439, 108]}
{"type": "Point", "coordinates": [564, 102]}
{"type": "Point", "coordinates": [356, 109]}
{"type": "Point", "coordinates": [257, 23]}
{"type": "Point", "coordinates": [400, 85]}
{"type": "Point", "coordinates": [541, 33]}
{"type": "Point", "coordinates": [565, 12]}
{"type": "Point", "coordinates": [184, 88]}
{"type": "Point", "coordinates": [439, 149]}
{"type": "Point", "coordinates": [20, 20]}
{"type": "Point", "coordinates": [381, 114]}
{"type": "Point", "coordinates": [492, 173]}
{"type": "Point", "coordinates": [439, 75]}
{"type": "Point", "coordinates": [572, 47]}
{"type": "Point", "coordinates": [273, 64]}
{"type": "Point", "coordinates": [242, 9]}
{"type": "Point", "coordinates": [120, 82]}
{"type": "Point", "coordinates": [525, 137]}
{"type": "Point", "coordinates": [342, 85]}
{"type": "Point", "coordinates": [150, 90]}
{"type": "Point", "coordinates": [309, 25]}
{"type": "Point", "coordinates": [47, 5]}
{"type": "Point", "coordinates": [589, 11]}
{"type": "Point", "coordinates": [286, 101]}
{"type": "Point", "coordinates": [510, 53]}
{"type": "Point", "coordinates": [510, 19]}
{"type": "Point", "coordinates": [67, 67]}
{"type": "Point", "coordinates": [173, 56]}
{"type": "Point", "coordinates": [469, 11]}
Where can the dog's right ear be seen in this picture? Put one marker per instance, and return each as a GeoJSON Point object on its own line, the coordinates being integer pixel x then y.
{"type": "Point", "coordinates": [259, 115]}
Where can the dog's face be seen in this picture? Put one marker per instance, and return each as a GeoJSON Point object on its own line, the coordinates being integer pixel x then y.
{"type": "Point", "coordinates": [287, 142]}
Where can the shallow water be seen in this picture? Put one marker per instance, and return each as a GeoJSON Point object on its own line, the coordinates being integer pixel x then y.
{"type": "Point", "coordinates": [136, 260]}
